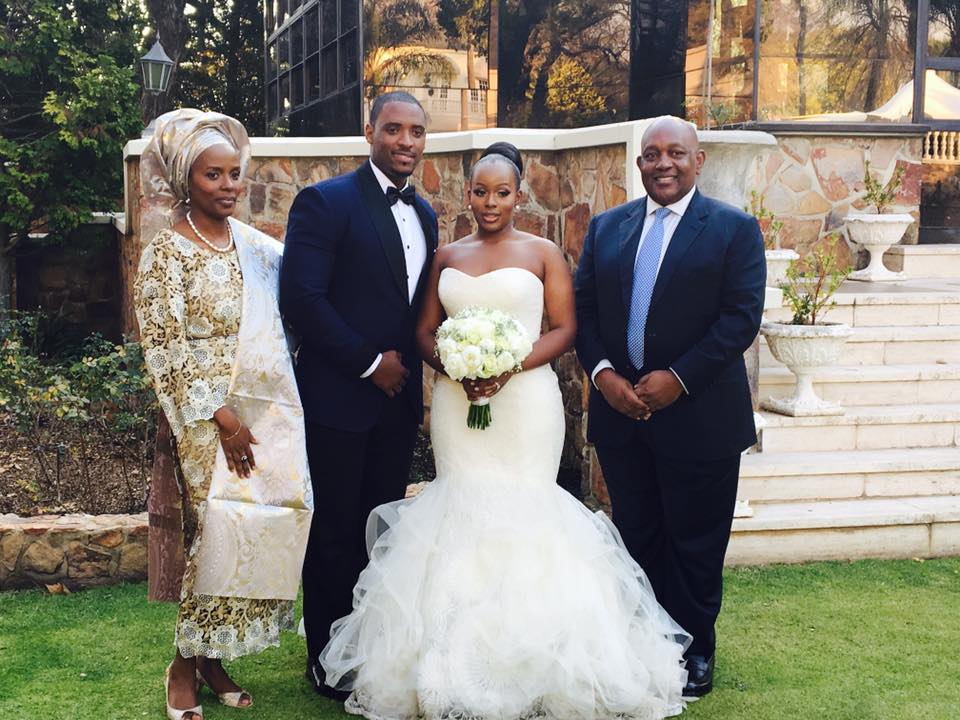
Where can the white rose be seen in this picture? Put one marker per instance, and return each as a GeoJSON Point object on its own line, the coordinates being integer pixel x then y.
{"type": "Point", "coordinates": [487, 345]}
{"type": "Point", "coordinates": [473, 359]}
{"type": "Point", "coordinates": [505, 363]}
{"type": "Point", "coordinates": [455, 366]}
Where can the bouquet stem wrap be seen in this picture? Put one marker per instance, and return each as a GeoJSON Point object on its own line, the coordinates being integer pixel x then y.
{"type": "Point", "coordinates": [478, 417]}
{"type": "Point", "coordinates": [478, 344]}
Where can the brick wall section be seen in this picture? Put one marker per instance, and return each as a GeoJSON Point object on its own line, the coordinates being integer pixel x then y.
{"type": "Point", "coordinates": [78, 551]}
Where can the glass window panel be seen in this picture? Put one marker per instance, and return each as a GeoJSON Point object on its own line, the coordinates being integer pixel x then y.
{"type": "Point", "coordinates": [348, 58]}
{"type": "Point", "coordinates": [349, 10]}
{"type": "Point", "coordinates": [285, 94]}
{"type": "Point", "coordinates": [311, 31]}
{"type": "Point", "coordinates": [942, 95]}
{"type": "Point", "coordinates": [312, 70]}
{"type": "Point", "coordinates": [719, 62]}
{"type": "Point", "coordinates": [268, 17]}
{"type": "Point", "coordinates": [283, 52]}
{"type": "Point", "coordinates": [328, 20]}
{"type": "Point", "coordinates": [271, 60]}
{"type": "Point", "coordinates": [272, 101]}
{"type": "Point", "coordinates": [329, 69]}
{"type": "Point", "coordinates": [296, 42]}
{"type": "Point", "coordinates": [825, 62]}
{"type": "Point", "coordinates": [296, 86]}
{"type": "Point", "coordinates": [281, 12]}
{"type": "Point", "coordinates": [944, 29]}
{"type": "Point", "coordinates": [294, 6]}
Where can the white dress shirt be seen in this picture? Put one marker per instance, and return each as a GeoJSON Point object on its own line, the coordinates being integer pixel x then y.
{"type": "Point", "coordinates": [414, 244]}
{"type": "Point", "coordinates": [670, 223]}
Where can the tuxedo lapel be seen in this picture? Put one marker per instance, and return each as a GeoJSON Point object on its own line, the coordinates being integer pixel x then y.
{"type": "Point", "coordinates": [383, 221]}
{"type": "Point", "coordinates": [430, 237]}
{"type": "Point", "coordinates": [688, 230]}
{"type": "Point", "coordinates": [630, 230]}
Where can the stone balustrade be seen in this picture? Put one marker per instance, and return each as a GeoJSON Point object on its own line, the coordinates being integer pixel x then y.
{"type": "Point", "coordinates": [78, 551]}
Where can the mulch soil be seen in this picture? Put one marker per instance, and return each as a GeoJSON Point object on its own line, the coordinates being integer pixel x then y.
{"type": "Point", "coordinates": [104, 487]}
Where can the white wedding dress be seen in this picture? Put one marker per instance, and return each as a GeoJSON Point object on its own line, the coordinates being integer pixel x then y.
{"type": "Point", "coordinates": [495, 594]}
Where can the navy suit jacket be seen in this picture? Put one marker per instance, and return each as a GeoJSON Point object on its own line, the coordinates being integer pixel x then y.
{"type": "Point", "coordinates": [343, 289]}
{"type": "Point", "coordinates": [704, 314]}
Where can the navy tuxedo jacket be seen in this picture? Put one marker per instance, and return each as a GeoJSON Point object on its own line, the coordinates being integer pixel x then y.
{"type": "Point", "coordinates": [343, 288]}
{"type": "Point", "coordinates": [704, 314]}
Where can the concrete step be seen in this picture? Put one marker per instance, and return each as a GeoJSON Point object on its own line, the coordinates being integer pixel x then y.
{"type": "Point", "coordinates": [904, 304]}
{"type": "Point", "coordinates": [924, 261]}
{"type": "Point", "coordinates": [892, 345]}
{"type": "Point", "coordinates": [872, 384]}
{"type": "Point", "coordinates": [905, 527]}
{"type": "Point", "coordinates": [865, 427]}
{"type": "Point", "coordinates": [770, 477]}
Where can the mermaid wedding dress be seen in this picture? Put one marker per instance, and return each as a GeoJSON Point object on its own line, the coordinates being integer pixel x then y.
{"type": "Point", "coordinates": [494, 594]}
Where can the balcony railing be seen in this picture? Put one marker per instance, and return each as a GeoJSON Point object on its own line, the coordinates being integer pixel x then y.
{"type": "Point", "coordinates": [942, 147]}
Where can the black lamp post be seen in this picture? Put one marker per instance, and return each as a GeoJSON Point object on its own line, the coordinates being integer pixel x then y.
{"type": "Point", "coordinates": [157, 68]}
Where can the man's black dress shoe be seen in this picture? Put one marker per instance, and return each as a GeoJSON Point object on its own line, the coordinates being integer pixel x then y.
{"type": "Point", "coordinates": [699, 676]}
{"type": "Point", "coordinates": [314, 676]}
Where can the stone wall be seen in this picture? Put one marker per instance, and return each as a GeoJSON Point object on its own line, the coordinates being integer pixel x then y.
{"type": "Point", "coordinates": [76, 282]}
{"type": "Point", "coordinates": [78, 551]}
{"type": "Point", "coordinates": [811, 182]}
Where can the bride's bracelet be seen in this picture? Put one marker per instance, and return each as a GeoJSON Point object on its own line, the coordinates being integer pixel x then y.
{"type": "Point", "coordinates": [225, 439]}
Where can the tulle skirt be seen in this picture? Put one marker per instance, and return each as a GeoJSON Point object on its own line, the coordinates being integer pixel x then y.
{"type": "Point", "coordinates": [503, 599]}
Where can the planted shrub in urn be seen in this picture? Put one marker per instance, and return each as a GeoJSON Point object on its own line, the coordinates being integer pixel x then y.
{"type": "Point", "coordinates": [876, 233]}
{"type": "Point", "coordinates": [778, 259]}
{"type": "Point", "coordinates": [807, 342]}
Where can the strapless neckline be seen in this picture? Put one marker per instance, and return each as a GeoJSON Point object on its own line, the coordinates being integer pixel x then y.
{"type": "Point", "coordinates": [495, 270]}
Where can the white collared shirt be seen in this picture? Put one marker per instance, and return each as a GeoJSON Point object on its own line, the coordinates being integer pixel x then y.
{"type": "Point", "coordinates": [670, 223]}
{"type": "Point", "coordinates": [413, 239]}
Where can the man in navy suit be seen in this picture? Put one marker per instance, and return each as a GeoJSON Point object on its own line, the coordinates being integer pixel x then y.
{"type": "Point", "coordinates": [669, 294]}
{"type": "Point", "coordinates": [356, 247]}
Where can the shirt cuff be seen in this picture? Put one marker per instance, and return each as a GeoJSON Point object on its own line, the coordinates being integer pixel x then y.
{"type": "Point", "coordinates": [680, 380]}
{"type": "Point", "coordinates": [376, 364]}
{"type": "Point", "coordinates": [602, 365]}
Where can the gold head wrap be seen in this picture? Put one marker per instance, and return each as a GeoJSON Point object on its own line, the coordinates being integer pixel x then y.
{"type": "Point", "coordinates": [179, 139]}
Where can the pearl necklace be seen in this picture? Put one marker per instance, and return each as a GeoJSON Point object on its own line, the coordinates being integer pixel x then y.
{"type": "Point", "coordinates": [215, 248]}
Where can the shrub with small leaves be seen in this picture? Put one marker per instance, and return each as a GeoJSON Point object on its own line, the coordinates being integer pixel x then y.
{"type": "Point", "coordinates": [879, 195]}
{"type": "Point", "coordinates": [812, 281]}
{"type": "Point", "coordinates": [769, 225]}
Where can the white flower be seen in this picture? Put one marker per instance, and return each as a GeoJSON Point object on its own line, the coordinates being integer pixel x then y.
{"type": "Point", "coordinates": [505, 363]}
{"type": "Point", "coordinates": [473, 358]}
{"type": "Point", "coordinates": [455, 366]}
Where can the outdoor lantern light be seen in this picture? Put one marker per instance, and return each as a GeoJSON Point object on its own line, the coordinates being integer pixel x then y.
{"type": "Point", "coordinates": [156, 69]}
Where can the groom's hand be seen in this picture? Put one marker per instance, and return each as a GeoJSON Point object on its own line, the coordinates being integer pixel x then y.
{"type": "Point", "coordinates": [659, 389]}
{"type": "Point", "coordinates": [620, 394]}
{"type": "Point", "coordinates": [390, 375]}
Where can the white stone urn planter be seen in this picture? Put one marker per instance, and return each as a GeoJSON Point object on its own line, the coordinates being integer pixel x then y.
{"type": "Point", "coordinates": [803, 349]}
{"type": "Point", "coordinates": [876, 233]}
{"type": "Point", "coordinates": [777, 263]}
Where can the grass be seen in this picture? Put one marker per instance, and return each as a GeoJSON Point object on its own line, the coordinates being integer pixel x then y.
{"type": "Point", "coordinates": [829, 641]}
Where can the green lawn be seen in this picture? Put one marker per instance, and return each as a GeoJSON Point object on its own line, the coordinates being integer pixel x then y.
{"type": "Point", "coordinates": [830, 641]}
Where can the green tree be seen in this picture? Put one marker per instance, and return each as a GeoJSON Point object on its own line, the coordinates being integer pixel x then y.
{"type": "Point", "coordinates": [571, 98]}
{"type": "Point", "coordinates": [221, 65]}
{"type": "Point", "coordinates": [68, 103]}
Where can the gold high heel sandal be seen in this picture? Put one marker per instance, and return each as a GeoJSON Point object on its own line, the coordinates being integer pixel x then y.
{"type": "Point", "coordinates": [230, 699]}
{"type": "Point", "coordinates": [172, 712]}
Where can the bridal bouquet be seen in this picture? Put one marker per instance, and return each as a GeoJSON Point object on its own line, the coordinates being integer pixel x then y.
{"type": "Point", "coordinates": [479, 343]}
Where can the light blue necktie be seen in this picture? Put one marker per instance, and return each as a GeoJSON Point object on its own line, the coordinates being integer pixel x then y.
{"type": "Point", "coordinates": [644, 278]}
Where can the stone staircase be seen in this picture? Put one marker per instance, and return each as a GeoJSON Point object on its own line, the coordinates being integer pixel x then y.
{"type": "Point", "coordinates": [883, 479]}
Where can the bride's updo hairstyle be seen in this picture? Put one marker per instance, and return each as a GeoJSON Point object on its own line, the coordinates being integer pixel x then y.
{"type": "Point", "coordinates": [502, 152]}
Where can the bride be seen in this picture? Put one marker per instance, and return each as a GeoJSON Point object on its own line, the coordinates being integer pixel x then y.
{"type": "Point", "coordinates": [494, 594]}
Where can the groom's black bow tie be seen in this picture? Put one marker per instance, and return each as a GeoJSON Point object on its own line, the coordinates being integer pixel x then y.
{"type": "Point", "coordinates": [407, 195]}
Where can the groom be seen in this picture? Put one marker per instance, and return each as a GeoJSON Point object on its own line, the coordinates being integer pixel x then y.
{"type": "Point", "coordinates": [669, 294]}
{"type": "Point", "coordinates": [355, 250]}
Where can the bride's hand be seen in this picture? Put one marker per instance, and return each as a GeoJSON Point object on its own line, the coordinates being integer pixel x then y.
{"type": "Point", "coordinates": [237, 440]}
{"type": "Point", "coordinates": [478, 389]}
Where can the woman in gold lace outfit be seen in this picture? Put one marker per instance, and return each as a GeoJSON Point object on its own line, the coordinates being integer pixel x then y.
{"type": "Point", "coordinates": [216, 354]}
